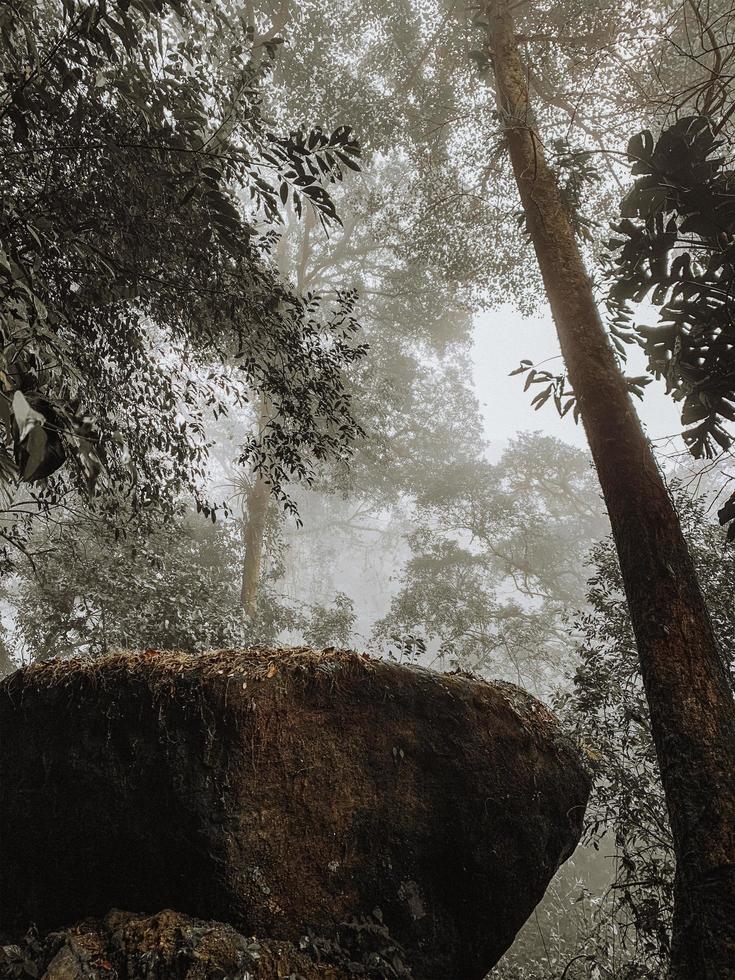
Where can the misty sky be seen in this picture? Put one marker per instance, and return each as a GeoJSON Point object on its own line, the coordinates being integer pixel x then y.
{"type": "Point", "coordinates": [502, 338]}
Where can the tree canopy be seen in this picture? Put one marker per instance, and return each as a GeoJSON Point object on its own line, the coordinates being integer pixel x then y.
{"type": "Point", "coordinates": [141, 191]}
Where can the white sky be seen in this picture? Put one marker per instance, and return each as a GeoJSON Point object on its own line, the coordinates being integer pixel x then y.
{"type": "Point", "coordinates": [502, 339]}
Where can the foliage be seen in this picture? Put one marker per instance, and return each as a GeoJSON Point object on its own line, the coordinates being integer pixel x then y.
{"type": "Point", "coordinates": [616, 924]}
{"type": "Point", "coordinates": [557, 388]}
{"type": "Point", "coordinates": [434, 168]}
{"type": "Point", "coordinates": [140, 193]}
{"type": "Point", "coordinates": [573, 929]}
{"type": "Point", "coordinates": [608, 709]}
{"type": "Point", "coordinates": [18, 960]}
{"type": "Point", "coordinates": [412, 394]}
{"type": "Point", "coordinates": [331, 626]}
{"type": "Point", "coordinates": [676, 245]}
{"type": "Point", "coordinates": [497, 560]}
{"type": "Point", "coordinates": [406, 76]}
{"type": "Point", "coordinates": [172, 589]}
{"type": "Point", "coordinates": [415, 321]}
{"type": "Point", "coordinates": [362, 946]}
{"type": "Point", "coordinates": [176, 588]}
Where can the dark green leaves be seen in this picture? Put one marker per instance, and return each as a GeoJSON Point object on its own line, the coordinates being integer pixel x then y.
{"type": "Point", "coordinates": [675, 245]}
{"type": "Point", "coordinates": [640, 148]}
{"type": "Point", "coordinates": [136, 226]}
{"type": "Point", "coordinates": [310, 159]}
{"type": "Point", "coordinates": [555, 386]}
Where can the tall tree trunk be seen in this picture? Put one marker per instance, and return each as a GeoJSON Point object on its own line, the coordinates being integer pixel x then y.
{"type": "Point", "coordinates": [689, 697]}
{"type": "Point", "coordinates": [257, 500]}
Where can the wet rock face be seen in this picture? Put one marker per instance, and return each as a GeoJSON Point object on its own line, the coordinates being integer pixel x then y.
{"type": "Point", "coordinates": [282, 792]}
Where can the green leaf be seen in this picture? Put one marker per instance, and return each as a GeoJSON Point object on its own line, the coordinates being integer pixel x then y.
{"type": "Point", "coordinates": [27, 418]}
{"type": "Point", "coordinates": [36, 445]}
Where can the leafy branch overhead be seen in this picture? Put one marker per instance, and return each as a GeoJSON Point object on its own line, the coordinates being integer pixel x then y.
{"type": "Point", "coordinates": [675, 246]}
{"type": "Point", "coordinates": [556, 386]}
{"type": "Point", "coordinates": [142, 192]}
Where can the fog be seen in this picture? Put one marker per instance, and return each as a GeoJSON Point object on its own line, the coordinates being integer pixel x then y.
{"type": "Point", "coordinates": [284, 293]}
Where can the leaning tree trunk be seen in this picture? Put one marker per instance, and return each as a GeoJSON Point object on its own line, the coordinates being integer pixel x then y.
{"type": "Point", "coordinates": [258, 497]}
{"type": "Point", "coordinates": [689, 697]}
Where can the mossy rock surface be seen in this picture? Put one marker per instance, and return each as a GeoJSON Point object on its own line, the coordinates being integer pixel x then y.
{"type": "Point", "coordinates": [165, 946]}
{"type": "Point", "coordinates": [283, 792]}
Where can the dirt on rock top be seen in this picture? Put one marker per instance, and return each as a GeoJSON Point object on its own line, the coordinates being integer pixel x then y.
{"type": "Point", "coordinates": [339, 668]}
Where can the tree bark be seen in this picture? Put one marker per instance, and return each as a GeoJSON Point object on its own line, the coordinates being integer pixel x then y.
{"type": "Point", "coordinates": [258, 497]}
{"type": "Point", "coordinates": [685, 677]}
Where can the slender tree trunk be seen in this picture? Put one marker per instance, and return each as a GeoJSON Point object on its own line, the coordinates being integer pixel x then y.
{"type": "Point", "coordinates": [689, 697]}
{"type": "Point", "coordinates": [258, 495]}
{"type": "Point", "coordinates": [258, 498]}
{"type": "Point", "coordinates": [255, 514]}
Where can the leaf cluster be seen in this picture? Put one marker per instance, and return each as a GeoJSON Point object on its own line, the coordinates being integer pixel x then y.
{"type": "Point", "coordinates": [675, 246]}
{"type": "Point", "coordinates": [140, 195]}
{"type": "Point", "coordinates": [497, 561]}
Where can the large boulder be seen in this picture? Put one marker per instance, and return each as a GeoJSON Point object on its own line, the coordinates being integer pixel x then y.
{"type": "Point", "coordinates": [285, 792]}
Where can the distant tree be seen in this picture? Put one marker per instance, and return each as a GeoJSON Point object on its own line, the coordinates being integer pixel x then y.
{"type": "Point", "coordinates": [407, 87]}
{"type": "Point", "coordinates": [170, 589]}
{"type": "Point", "coordinates": [498, 563]}
{"type": "Point", "coordinates": [174, 588]}
{"type": "Point", "coordinates": [416, 325]}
